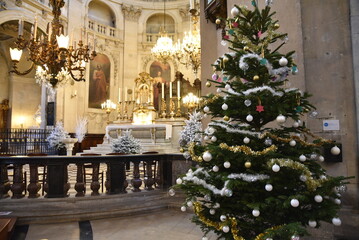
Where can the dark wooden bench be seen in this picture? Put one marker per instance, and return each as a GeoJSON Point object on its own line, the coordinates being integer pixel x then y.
{"type": "Point", "coordinates": [7, 226]}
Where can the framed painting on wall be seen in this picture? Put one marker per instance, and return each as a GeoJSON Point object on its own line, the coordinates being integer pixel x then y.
{"type": "Point", "coordinates": [99, 81]}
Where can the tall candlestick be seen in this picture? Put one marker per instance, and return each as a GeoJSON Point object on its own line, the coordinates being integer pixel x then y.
{"type": "Point", "coordinates": [125, 93]}
{"type": "Point", "coordinates": [20, 27]}
{"type": "Point", "coordinates": [50, 32]}
{"type": "Point", "coordinates": [178, 89]}
{"type": "Point", "coordinates": [119, 94]}
{"type": "Point", "coordinates": [35, 27]}
{"type": "Point", "coordinates": [163, 90]}
{"type": "Point", "coordinates": [170, 89]}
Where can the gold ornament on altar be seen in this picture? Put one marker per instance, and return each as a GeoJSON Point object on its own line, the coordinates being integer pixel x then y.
{"type": "Point", "coordinates": [56, 61]}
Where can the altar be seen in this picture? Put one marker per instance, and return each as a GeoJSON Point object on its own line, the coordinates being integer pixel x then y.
{"type": "Point", "coordinates": [114, 130]}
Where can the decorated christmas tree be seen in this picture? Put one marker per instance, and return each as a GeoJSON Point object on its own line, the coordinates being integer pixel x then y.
{"type": "Point", "coordinates": [258, 173]}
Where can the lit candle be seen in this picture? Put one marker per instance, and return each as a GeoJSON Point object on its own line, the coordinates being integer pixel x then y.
{"type": "Point", "coordinates": [163, 90]}
{"type": "Point", "coordinates": [50, 32]}
{"type": "Point", "coordinates": [178, 89]}
{"type": "Point", "coordinates": [19, 31]}
{"type": "Point", "coordinates": [170, 89]}
{"type": "Point", "coordinates": [191, 4]}
{"type": "Point", "coordinates": [119, 94]}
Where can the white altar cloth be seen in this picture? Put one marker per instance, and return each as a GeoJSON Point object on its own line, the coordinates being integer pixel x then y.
{"type": "Point", "coordinates": [151, 127]}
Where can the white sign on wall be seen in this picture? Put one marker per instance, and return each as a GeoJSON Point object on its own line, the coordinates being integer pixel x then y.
{"type": "Point", "coordinates": [331, 125]}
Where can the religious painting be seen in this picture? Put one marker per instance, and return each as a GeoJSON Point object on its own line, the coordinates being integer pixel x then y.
{"type": "Point", "coordinates": [99, 80]}
{"type": "Point", "coordinates": [161, 73]}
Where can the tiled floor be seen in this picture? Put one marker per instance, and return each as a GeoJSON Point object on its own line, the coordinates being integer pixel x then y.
{"type": "Point", "coordinates": [163, 225]}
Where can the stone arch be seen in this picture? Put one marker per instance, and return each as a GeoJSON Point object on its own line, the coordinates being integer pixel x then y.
{"type": "Point", "coordinates": [101, 12]}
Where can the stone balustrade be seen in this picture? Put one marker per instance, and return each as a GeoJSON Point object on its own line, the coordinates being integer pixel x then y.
{"type": "Point", "coordinates": [155, 169]}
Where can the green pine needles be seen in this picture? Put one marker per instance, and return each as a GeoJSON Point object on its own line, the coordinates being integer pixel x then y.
{"type": "Point", "coordinates": [259, 174]}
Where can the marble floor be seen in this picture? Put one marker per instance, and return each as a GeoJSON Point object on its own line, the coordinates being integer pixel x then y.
{"type": "Point", "coordinates": [166, 224]}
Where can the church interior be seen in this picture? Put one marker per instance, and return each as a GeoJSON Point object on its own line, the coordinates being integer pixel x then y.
{"type": "Point", "coordinates": [84, 74]}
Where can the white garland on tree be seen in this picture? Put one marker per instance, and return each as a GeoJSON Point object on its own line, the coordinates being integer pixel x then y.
{"type": "Point", "coordinates": [56, 136]}
{"type": "Point", "coordinates": [235, 130]}
{"type": "Point", "coordinates": [126, 144]}
{"type": "Point", "coordinates": [81, 128]}
{"type": "Point", "coordinates": [192, 131]}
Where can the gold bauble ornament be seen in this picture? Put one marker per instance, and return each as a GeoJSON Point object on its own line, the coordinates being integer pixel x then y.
{"type": "Point", "coordinates": [256, 78]}
{"type": "Point", "coordinates": [246, 48]}
{"type": "Point", "coordinates": [200, 159]}
{"type": "Point", "coordinates": [218, 21]}
{"type": "Point", "coordinates": [181, 150]}
{"type": "Point", "coordinates": [208, 84]}
{"type": "Point", "coordinates": [248, 164]}
{"type": "Point", "coordinates": [226, 118]}
{"type": "Point", "coordinates": [225, 59]}
{"type": "Point", "coordinates": [276, 26]}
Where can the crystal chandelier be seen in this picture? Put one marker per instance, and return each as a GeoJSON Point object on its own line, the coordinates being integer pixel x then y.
{"type": "Point", "coordinates": [188, 52]}
{"type": "Point", "coordinates": [191, 101]}
{"type": "Point", "coordinates": [163, 50]}
{"type": "Point", "coordinates": [56, 61]}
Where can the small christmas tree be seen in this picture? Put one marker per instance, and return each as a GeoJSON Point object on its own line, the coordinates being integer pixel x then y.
{"type": "Point", "coordinates": [126, 144]}
{"type": "Point", "coordinates": [253, 180]}
{"type": "Point", "coordinates": [56, 136]}
{"type": "Point", "coordinates": [192, 131]}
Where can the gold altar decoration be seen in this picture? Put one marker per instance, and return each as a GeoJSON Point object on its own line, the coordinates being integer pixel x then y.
{"type": "Point", "coordinates": [56, 61]}
{"type": "Point", "coordinates": [144, 111]}
{"type": "Point", "coordinates": [190, 101]}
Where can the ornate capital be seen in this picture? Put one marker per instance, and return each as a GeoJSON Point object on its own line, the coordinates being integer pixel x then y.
{"type": "Point", "coordinates": [131, 13]}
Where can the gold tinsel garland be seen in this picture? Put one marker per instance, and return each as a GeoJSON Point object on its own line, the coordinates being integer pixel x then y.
{"type": "Point", "coordinates": [298, 139]}
{"type": "Point", "coordinates": [219, 226]}
{"type": "Point", "coordinates": [247, 150]}
{"type": "Point", "coordinates": [192, 153]}
{"type": "Point", "coordinates": [211, 100]}
{"type": "Point", "coordinates": [311, 183]}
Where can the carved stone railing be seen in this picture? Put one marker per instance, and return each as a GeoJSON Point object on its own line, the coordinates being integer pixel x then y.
{"type": "Point", "coordinates": [102, 28]}
{"type": "Point", "coordinates": [156, 170]}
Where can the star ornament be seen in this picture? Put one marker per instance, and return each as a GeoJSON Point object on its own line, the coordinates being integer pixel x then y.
{"type": "Point", "coordinates": [260, 108]}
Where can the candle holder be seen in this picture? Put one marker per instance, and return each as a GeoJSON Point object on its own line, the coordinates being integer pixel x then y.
{"type": "Point", "coordinates": [108, 106]}
{"type": "Point", "coordinates": [178, 113]}
{"type": "Point", "coordinates": [163, 108]}
{"type": "Point", "coordinates": [125, 116]}
{"type": "Point", "coordinates": [172, 108]}
{"type": "Point", "coordinates": [190, 101]}
{"type": "Point", "coordinates": [119, 111]}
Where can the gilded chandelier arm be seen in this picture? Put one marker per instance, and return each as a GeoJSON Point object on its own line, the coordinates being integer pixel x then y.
{"type": "Point", "coordinates": [14, 70]}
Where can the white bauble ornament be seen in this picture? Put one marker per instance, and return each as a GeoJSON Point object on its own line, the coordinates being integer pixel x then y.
{"type": "Point", "coordinates": [215, 168]}
{"type": "Point", "coordinates": [224, 106]}
{"type": "Point", "coordinates": [294, 237]}
{"type": "Point", "coordinates": [296, 124]}
{"type": "Point", "coordinates": [227, 87]}
{"type": "Point", "coordinates": [227, 164]}
{"type": "Point", "coordinates": [234, 12]}
{"type": "Point", "coordinates": [335, 150]}
{"type": "Point", "coordinates": [228, 193]}
{"type": "Point", "coordinates": [280, 118]}
{"type": "Point", "coordinates": [223, 218]}
{"type": "Point", "coordinates": [303, 178]}
{"type": "Point", "coordinates": [211, 130]}
{"type": "Point", "coordinates": [313, 156]}
{"type": "Point", "coordinates": [219, 90]}
{"type": "Point", "coordinates": [225, 229]}
{"type": "Point", "coordinates": [321, 159]}
{"type": "Point", "coordinates": [337, 201]}
{"type": "Point", "coordinates": [247, 102]}
{"type": "Point", "coordinates": [179, 181]}
{"type": "Point", "coordinates": [171, 192]}
{"type": "Point", "coordinates": [183, 208]}
{"type": "Point", "coordinates": [268, 187]}
{"type": "Point", "coordinates": [283, 61]}
{"type": "Point", "coordinates": [294, 202]}
{"type": "Point", "coordinates": [204, 238]}
{"type": "Point", "coordinates": [207, 156]}
{"type": "Point", "coordinates": [318, 198]}
{"type": "Point", "coordinates": [268, 141]}
{"type": "Point", "coordinates": [292, 143]}
{"type": "Point", "coordinates": [246, 140]}
{"type": "Point", "coordinates": [275, 168]}
{"type": "Point", "coordinates": [312, 223]}
{"type": "Point", "coordinates": [249, 118]}
{"type": "Point", "coordinates": [212, 211]}
{"type": "Point", "coordinates": [207, 198]}
{"type": "Point", "coordinates": [336, 221]}
{"type": "Point", "coordinates": [206, 109]}
{"type": "Point", "coordinates": [302, 158]}
{"type": "Point", "coordinates": [189, 204]}
{"type": "Point", "coordinates": [206, 138]}
{"type": "Point", "coordinates": [256, 212]}
{"type": "Point", "coordinates": [214, 138]}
